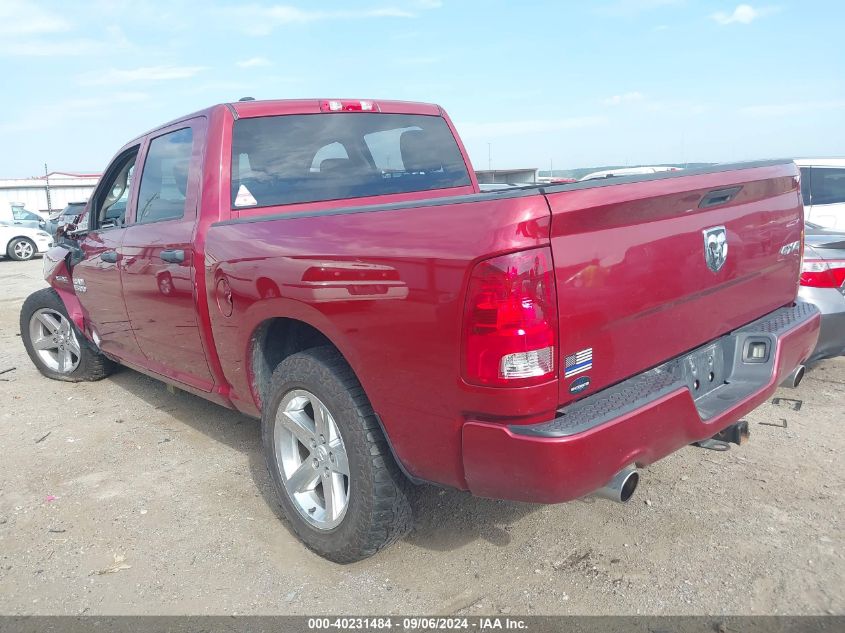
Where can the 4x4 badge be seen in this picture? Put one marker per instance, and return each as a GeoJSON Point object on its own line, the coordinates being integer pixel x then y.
{"type": "Point", "coordinates": [715, 247]}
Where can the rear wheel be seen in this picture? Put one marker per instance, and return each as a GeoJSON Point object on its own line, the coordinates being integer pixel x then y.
{"type": "Point", "coordinates": [55, 345]}
{"type": "Point", "coordinates": [335, 477]}
{"type": "Point", "coordinates": [21, 249]}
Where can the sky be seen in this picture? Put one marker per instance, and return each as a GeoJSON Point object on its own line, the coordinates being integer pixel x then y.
{"type": "Point", "coordinates": [528, 83]}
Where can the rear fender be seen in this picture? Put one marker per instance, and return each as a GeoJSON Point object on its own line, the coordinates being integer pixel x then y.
{"type": "Point", "coordinates": [58, 276]}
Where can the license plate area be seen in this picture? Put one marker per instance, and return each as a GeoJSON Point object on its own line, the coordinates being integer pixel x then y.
{"type": "Point", "coordinates": [704, 370]}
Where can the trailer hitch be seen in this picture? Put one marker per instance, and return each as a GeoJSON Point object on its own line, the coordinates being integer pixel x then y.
{"type": "Point", "coordinates": [736, 433]}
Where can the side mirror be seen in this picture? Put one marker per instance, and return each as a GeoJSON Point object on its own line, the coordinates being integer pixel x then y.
{"type": "Point", "coordinates": [68, 237]}
{"type": "Point", "coordinates": [71, 232]}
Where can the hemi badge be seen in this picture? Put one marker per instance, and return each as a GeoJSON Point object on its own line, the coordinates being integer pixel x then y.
{"type": "Point", "coordinates": [578, 362]}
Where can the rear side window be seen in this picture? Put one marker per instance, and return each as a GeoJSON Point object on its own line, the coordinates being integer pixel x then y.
{"type": "Point", "coordinates": [828, 185]}
{"type": "Point", "coordinates": [164, 182]}
{"type": "Point", "coordinates": [306, 158]}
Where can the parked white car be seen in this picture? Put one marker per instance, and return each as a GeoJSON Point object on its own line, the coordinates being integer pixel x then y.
{"type": "Point", "coordinates": [627, 171]}
{"type": "Point", "coordinates": [22, 243]}
{"type": "Point", "coordinates": [823, 190]}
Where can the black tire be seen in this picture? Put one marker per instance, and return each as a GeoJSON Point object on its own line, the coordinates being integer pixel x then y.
{"type": "Point", "coordinates": [379, 510]}
{"type": "Point", "coordinates": [10, 249]}
{"type": "Point", "coordinates": [92, 364]}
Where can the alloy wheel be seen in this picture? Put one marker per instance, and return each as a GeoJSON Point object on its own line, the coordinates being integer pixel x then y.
{"type": "Point", "coordinates": [23, 249]}
{"type": "Point", "coordinates": [312, 459]}
{"type": "Point", "coordinates": [54, 340]}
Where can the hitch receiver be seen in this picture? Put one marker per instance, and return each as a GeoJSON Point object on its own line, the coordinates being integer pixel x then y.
{"type": "Point", "coordinates": [736, 433]}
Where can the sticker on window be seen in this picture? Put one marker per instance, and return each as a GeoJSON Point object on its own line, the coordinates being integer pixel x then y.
{"type": "Point", "coordinates": [244, 198]}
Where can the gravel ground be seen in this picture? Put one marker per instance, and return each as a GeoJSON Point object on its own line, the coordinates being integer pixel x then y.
{"type": "Point", "coordinates": [121, 497]}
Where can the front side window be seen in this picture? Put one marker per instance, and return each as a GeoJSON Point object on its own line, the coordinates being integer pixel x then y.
{"type": "Point", "coordinates": [828, 185]}
{"type": "Point", "coordinates": [109, 208]}
{"type": "Point", "coordinates": [164, 181]}
{"type": "Point", "coordinates": [306, 158]}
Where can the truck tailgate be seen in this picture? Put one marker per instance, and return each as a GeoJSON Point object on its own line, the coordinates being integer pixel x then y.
{"type": "Point", "coordinates": [635, 283]}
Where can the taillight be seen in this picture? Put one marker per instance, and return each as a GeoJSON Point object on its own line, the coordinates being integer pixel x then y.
{"type": "Point", "coordinates": [510, 320]}
{"type": "Point", "coordinates": [823, 273]}
{"type": "Point", "coordinates": [345, 105]}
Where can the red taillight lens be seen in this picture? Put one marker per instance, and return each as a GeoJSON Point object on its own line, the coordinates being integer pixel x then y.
{"type": "Point", "coordinates": [338, 105]}
{"type": "Point", "coordinates": [823, 273]}
{"type": "Point", "coordinates": [510, 320]}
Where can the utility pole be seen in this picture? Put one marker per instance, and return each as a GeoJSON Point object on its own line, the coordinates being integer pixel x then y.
{"type": "Point", "coordinates": [490, 156]}
{"type": "Point", "coordinates": [47, 181]}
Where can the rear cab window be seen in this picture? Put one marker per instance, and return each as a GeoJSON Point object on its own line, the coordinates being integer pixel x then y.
{"type": "Point", "coordinates": [290, 159]}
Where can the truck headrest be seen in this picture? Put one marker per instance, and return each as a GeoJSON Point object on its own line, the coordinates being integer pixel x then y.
{"type": "Point", "coordinates": [418, 152]}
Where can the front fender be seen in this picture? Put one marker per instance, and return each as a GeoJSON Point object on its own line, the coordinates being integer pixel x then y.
{"type": "Point", "coordinates": [58, 276]}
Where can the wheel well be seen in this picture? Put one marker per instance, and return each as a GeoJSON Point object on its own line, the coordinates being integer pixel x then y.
{"type": "Point", "coordinates": [275, 340]}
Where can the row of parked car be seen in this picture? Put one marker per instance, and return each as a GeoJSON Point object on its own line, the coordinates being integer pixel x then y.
{"type": "Point", "coordinates": [24, 234]}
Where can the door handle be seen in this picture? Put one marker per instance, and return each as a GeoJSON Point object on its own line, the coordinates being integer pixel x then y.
{"type": "Point", "coordinates": [110, 257]}
{"type": "Point", "coordinates": [173, 256]}
{"type": "Point", "coordinates": [718, 196]}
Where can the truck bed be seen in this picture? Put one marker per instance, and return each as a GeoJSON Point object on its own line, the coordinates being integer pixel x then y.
{"type": "Point", "coordinates": [629, 267]}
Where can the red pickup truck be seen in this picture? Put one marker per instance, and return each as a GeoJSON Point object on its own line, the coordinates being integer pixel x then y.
{"type": "Point", "coordinates": [332, 267]}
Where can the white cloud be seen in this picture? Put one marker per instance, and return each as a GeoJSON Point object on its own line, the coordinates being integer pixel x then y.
{"type": "Point", "coordinates": [386, 12]}
{"type": "Point", "coordinates": [793, 108]}
{"type": "Point", "coordinates": [114, 76]}
{"type": "Point", "coordinates": [530, 126]}
{"type": "Point", "coordinates": [624, 8]}
{"type": "Point", "coordinates": [58, 112]}
{"type": "Point", "coordinates": [258, 20]}
{"type": "Point", "coordinates": [421, 60]}
{"type": "Point", "coordinates": [25, 18]}
{"type": "Point", "coordinates": [49, 48]}
{"type": "Point", "coordinates": [627, 97]}
{"type": "Point", "coordinates": [254, 62]}
{"type": "Point", "coordinates": [40, 45]}
{"type": "Point", "coordinates": [742, 14]}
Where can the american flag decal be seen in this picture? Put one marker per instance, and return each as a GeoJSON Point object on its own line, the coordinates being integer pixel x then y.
{"type": "Point", "coordinates": [578, 362]}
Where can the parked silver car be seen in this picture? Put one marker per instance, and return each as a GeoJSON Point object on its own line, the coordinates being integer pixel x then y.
{"type": "Point", "coordinates": [823, 284]}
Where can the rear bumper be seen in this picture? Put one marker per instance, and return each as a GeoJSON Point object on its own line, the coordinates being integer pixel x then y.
{"type": "Point", "coordinates": [640, 420]}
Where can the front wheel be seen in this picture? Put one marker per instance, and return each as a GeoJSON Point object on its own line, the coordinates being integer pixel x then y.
{"type": "Point", "coordinates": [55, 345]}
{"type": "Point", "coordinates": [21, 249]}
{"type": "Point", "coordinates": [335, 477]}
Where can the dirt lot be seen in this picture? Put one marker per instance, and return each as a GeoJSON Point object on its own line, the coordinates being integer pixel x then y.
{"type": "Point", "coordinates": [120, 497]}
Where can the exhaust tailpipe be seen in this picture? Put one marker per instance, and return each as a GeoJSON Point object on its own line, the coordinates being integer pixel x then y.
{"type": "Point", "coordinates": [795, 378]}
{"type": "Point", "coordinates": [621, 487]}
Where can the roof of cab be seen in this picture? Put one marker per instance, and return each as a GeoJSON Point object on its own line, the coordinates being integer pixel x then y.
{"type": "Point", "coordinates": [255, 108]}
{"type": "Point", "coordinates": [274, 107]}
